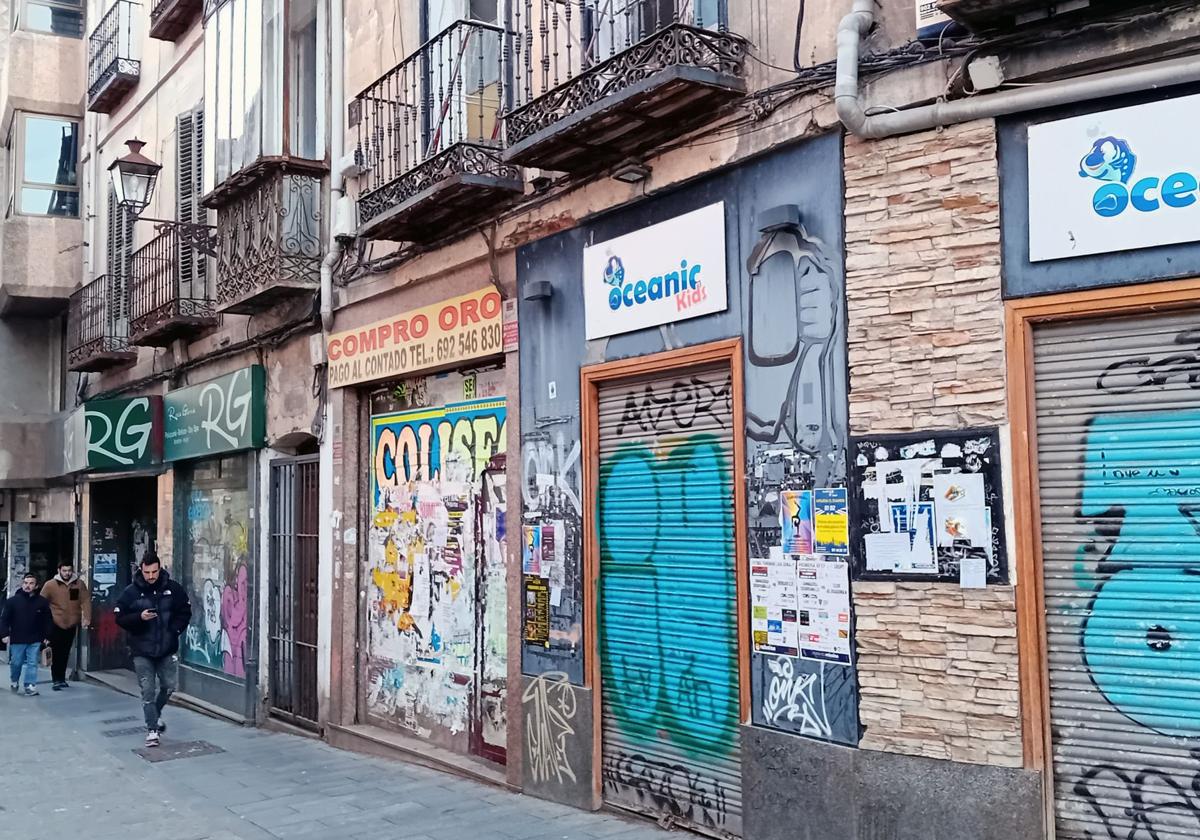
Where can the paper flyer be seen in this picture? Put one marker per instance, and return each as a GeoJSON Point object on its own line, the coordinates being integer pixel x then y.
{"type": "Point", "coordinates": [537, 610]}
{"type": "Point", "coordinates": [961, 509]}
{"type": "Point", "coordinates": [909, 547]}
{"type": "Point", "coordinates": [823, 600]}
{"type": "Point", "coordinates": [796, 520]}
{"type": "Point", "coordinates": [831, 521]}
{"type": "Point", "coordinates": [531, 550]}
{"type": "Point", "coordinates": [556, 550]}
{"type": "Point", "coordinates": [773, 605]}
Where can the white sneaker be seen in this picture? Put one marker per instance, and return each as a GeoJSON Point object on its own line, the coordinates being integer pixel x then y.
{"type": "Point", "coordinates": [151, 739]}
{"type": "Point", "coordinates": [31, 691]}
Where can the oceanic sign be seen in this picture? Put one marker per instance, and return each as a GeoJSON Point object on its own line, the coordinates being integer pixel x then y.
{"type": "Point", "coordinates": [1114, 180]}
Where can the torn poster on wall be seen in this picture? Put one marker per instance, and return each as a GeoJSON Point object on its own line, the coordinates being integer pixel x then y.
{"type": "Point", "coordinates": [925, 503]}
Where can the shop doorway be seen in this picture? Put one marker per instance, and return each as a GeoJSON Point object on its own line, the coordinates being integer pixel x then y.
{"type": "Point", "coordinates": [666, 562]}
{"type": "Point", "coordinates": [292, 609]}
{"type": "Point", "coordinates": [123, 527]}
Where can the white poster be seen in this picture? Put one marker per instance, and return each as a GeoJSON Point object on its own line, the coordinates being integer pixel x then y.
{"type": "Point", "coordinates": [664, 273]}
{"type": "Point", "coordinates": [1114, 180]}
{"type": "Point", "coordinates": [773, 604]}
{"type": "Point", "coordinates": [823, 601]}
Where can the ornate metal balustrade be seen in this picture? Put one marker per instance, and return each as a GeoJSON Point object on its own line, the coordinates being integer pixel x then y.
{"type": "Point", "coordinates": [112, 69]}
{"type": "Point", "coordinates": [97, 326]}
{"type": "Point", "coordinates": [429, 136]}
{"type": "Point", "coordinates": [269, 242]}
{"type": "Point", "coordinates": [171, 18]}
{"type": "Point", "coordinates": [601, 80]}
{"type": "Point", "coordinates": [168, 285]}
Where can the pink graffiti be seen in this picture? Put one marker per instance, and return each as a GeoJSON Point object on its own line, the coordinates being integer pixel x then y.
{"type": "Point", "coordinates": [234, 615]}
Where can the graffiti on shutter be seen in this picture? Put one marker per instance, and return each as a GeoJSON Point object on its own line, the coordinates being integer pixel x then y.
{"type": "Point", "coordinates": [1118, 432]}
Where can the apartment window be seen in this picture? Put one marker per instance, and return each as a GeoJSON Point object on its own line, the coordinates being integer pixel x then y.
{"type": "Point", "coordinates": [43, 162]}
{"type": "Point", "coordinates": [55, 17]}
{"type": "Point", "coordinates": [264, 74]}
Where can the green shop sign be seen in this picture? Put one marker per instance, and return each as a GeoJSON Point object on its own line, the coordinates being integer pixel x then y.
{"type": "Point", "coordinates": [225, 415]}
{"type": "Point", "coordinates": [123, 434]}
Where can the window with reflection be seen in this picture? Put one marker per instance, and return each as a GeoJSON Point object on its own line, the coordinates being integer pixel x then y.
{"type": "Point", "coordinates": [264, 70]}
{"type": "Point", "coordinates": [54, 17]}
{"type": "Point", "coordinates": [43, 166]}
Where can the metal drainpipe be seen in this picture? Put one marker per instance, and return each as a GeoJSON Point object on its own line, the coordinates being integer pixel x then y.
{"type": "Point", "coordinates": [852, 111]}
{"type": "Point", "coordinates": [337, 189]}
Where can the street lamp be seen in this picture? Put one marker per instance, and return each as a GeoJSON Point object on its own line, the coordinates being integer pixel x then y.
{"type": "Point", "coordinates": [133, 178]}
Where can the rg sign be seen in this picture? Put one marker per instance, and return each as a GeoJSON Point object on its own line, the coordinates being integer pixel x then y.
{"type": "Point", "coordinates": [124, 433]}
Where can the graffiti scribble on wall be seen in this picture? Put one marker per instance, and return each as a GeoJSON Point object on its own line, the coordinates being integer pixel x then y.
{"type": "Point", "coordinates": [218, 579]}
{"type": "Point", "coordinates": [668, 637]}
{"type": "Point", "coordinates": [427, 467]}
{"type": "Point", "coordinates": [550, 708]}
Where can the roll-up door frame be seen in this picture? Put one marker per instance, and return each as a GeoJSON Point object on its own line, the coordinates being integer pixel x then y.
{"type": "Point", "coordinates": [591, 378]}
{"type": "Point", "coordinates": [1020, 317]}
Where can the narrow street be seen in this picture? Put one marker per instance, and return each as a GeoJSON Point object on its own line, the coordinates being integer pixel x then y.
{"type": "Point", "coordinates": [71, 766]}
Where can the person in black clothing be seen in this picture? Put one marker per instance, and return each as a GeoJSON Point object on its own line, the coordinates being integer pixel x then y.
{"type": "Point", "coordinates": [154, 611]}
{"type": "Point", "coordinates": [25, 626]}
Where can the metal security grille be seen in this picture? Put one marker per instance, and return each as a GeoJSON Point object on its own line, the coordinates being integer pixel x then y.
{"type": "Point", "coordinates": [1118, 441]}
{"type": "Point", "coordinates": [293, 585]}
{"type": "Point", "coordinates": [667, 606]}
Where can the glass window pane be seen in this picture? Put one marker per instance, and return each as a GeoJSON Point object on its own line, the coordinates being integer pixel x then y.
{"type": "Point", "coordinates": [272, 75]}
{"type": "Point", "coordinates": [49, 202]}
{"type": "Point", "coordinates": [211, 105]}
{"type": "Point", "coordinates": [56, 20]}
{"type": "Point", "coordinates": [224, 91]}
{"type": "Point", "coordinates": [237, 103]}
{"type": "Point", "coordinates": [254, 83]}
{"type": "Point", "coordinates": [51, 150]}
{"type": "Point", "coordinates": [303, 45]}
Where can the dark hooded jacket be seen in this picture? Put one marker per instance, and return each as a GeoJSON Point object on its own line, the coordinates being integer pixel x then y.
{"type": "Point", "coordinates": [25, 618]}
{"type": "Point", "coordinates": [159, 636]}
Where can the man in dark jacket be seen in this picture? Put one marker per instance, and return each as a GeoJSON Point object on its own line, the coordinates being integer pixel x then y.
{"type": "Point", "coordinates": [154, 611]}
{"type": "Point", "coordinates": [25, 627]}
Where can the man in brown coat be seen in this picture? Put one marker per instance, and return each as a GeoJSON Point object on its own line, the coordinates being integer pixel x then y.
{"type": "Point", "coordinates": [71, 607]}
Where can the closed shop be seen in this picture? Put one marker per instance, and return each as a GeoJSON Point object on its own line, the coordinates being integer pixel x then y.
{"type": "Point", "coordinates": [210, 432]}
{"type": "Point", "coordinates": [667, 611]}
{"type": "Point", "coordinates": [1118, 443]}
{"type": "Point", "coordinates": [436, 646]}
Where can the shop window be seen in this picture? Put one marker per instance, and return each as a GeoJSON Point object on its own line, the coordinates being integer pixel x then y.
{"type": "Point", "coordinates": [43, 166]}
{"type": "Point", "coordinates": [264, 72]}
{"type": "Point", "coordinates": [53, 17]}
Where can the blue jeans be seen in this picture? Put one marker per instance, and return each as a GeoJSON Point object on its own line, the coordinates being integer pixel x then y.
{"type": "Point", "coordinates": [25, 656]}
{"type": "Point", "coordinates": [158, 679]}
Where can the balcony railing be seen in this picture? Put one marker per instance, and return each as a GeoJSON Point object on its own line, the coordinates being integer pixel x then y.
{"type": "Point", "coordinates": [430, 139]}
{"type": "Point", "coordinates": [168, 285]}
{"type": "Point", "coordinates": [269, 242]}
{"type": "Point", "coordinates": [171, 18]}
{"type": "Point", "coordinates": [112, 69]}
{"type": "Point", "coordinates": [97, 326]}
{"type": "Point", "coordinates": [601, 80]}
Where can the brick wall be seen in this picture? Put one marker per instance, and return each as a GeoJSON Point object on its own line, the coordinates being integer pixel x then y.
{"type": "Point", "coordinates": [937, 664]}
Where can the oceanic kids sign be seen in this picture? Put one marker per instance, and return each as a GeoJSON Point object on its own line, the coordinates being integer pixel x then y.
{"type": "Point", "coordinates": [667, 272]}
{"type": "Point", "coordinates": [1114, 181]}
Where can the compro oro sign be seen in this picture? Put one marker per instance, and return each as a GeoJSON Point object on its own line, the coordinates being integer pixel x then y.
{"type": "Point", "coordinates": [658, 275]}
{"type": "Point", "coordinates": [1114, 180]}
{"type": "Point", "coordinates": [440, 335]}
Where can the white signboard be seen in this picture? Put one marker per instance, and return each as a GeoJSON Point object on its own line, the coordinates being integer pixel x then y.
{"type": "Point", "coordinates": [1114, 181]}
{"type": "Point", "coordinates": [658, 275]}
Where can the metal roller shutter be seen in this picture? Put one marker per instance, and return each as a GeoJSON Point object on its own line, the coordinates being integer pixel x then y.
{"type": "Point", "coordinates": [1118, 441]}
{"type": "Point", "coordinates": [668, 607]}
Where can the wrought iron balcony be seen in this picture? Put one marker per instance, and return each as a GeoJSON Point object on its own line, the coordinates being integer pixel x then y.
{"type": "Point", "coordinates": [98, 326]}
{"type": "Point", "coordinates": [112, 69]}
{"type": "Point", "coordinates": [269, 242]}
{"type": "Point", "coordinates": [168, 285]}
{"type": "Point", "coordinates": [171, 18]}
{"type": "Point", "coordinates": [429, 137]}
{"type": "Point", "coordinates": [601, 80]}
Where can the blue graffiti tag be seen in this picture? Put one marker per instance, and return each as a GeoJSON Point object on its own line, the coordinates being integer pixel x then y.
{"type": "Point", "coordinates": [1141, 640]}
{"type": "Point", "coordinates": [668, 651]}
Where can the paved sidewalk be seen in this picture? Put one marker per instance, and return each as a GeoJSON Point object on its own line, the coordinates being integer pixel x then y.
{"type": "Point", "coordinates": [64, 773]}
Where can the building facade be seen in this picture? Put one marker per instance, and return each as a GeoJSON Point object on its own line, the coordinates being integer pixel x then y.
{"type": "Point", "coordinates": [770, 419]}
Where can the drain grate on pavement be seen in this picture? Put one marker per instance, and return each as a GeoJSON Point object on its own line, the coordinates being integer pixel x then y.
{"type": "Point", "coordinates": [118, 733]}
{"type": "Point", "coordinates": [125, 719]}
{"type": "Point", "coordinates": [170, 751]}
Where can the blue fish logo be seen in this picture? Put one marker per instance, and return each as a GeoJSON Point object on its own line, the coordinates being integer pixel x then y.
{"type": "Point", "coordinates": [614, 272]}
{"type": "Point", "coordinates": [1111, 160]}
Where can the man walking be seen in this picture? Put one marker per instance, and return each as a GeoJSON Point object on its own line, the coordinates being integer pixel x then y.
{"type": "Point", "coordinates": [70, 609]}
{"type": "Point", "coordinates": [24, 627]}
{"type": "Point", "coordinates": [154, 611]}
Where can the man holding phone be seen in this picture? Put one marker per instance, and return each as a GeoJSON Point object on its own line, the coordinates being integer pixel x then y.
{"type": "Point", "coordinates": [154, 611]}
